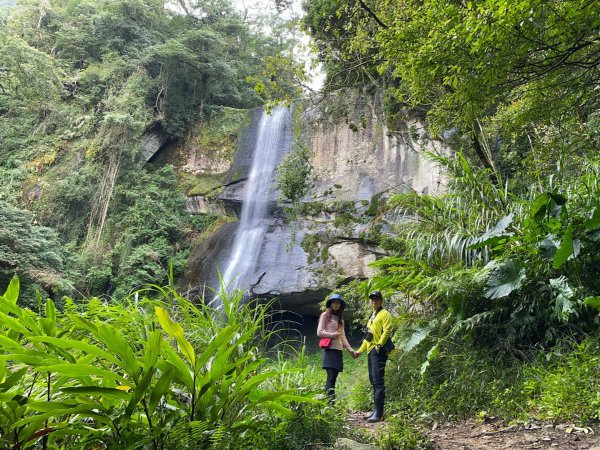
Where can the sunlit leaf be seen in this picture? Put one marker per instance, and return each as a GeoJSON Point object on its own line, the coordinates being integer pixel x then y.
{"type": "Point", "coordinates": [12, 291]}
{"type": "Point", "coordinates": [79, 370]}
{"type": "Point", "coordinates": [161, 387]}
{"type": "Point", "coordinates": [494, 235]}
{"type": "Point", "coordinates": [433, 353]}
{"type": "Point", "coordinates": [138, 393]}
{"type": "Point", "coordinates": [117, 344]}
{"type": "Point", "coordinates": [12, 378]}
{"type": "Point", "coordinates": [152, 349]}
{"type": "Point", "coordinates": [173, 361]}
{"type": "Point", "coordinates": [85, 410]}
{"type": "Point", "coordinates": [593, 302]}
{"type": "Point", "coordinates": [424, 367]}
{"type": "Point", "coordinates": [14, 324]}
{"type": "Point", "coordinates": [84, 323]}
{"type": "Point", "coordinates": [73, 344]}
{"type": "Point", "coordinates": [50, 310]}
{"type": "Point", "coordinates": [175, 330]}
{"type": "Point", "coordinates": [97, 391]}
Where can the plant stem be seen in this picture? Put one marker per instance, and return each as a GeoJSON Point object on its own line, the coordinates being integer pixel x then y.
{"type": "Point", "coordinates": [45, 438]}
{"type": "Point", "coordinates": [149, 422]}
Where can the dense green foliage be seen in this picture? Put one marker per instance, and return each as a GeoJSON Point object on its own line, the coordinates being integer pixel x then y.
{"type": "Point", "coordinates": [80, 84]}
{"type": "Point", "coordinates": [465, 381]}
{"type": "Point", "coordinates": [481, 55]}
{"type": "Point", "coordinates": [293, 174]}
{"type": "Point", "coordinates": [509, 271]}
{"type": "Point", "coordinates": [521, 76]}
{"type": "Point", "coordinates": [494, 283]}
{"type": "Point", "coordinates": [32, 250]}
{"type": "Point", "coordinates": [509, 255]}
{"type": "Point", "coordinates": [503, 268]}
{"type": "Point", "coordinates": [150, 374]}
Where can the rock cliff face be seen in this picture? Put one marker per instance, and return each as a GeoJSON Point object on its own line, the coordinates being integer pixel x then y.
{"type": "Point", "coordinates": [355, 161]}
{"type": "Point", "coordinates": [358, 164]}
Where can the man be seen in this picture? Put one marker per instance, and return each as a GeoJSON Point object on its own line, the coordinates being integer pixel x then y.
{"type": "Point", "coordinates": [379, 331]}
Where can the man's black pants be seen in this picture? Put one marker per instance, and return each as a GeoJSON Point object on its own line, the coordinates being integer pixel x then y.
{"type": "Point", "coordinates": [377, 361]}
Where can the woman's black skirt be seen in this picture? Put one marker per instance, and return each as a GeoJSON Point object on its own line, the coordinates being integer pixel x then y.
{"type": "Point", "coordinates": [332, 359]}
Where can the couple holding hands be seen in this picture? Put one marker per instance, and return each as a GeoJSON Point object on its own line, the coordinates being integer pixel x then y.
{"type": "Point", "coordinates": [379, 329]}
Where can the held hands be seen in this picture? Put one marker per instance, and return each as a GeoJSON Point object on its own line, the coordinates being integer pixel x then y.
{"type": "Point", "coordinates": [354, 353]}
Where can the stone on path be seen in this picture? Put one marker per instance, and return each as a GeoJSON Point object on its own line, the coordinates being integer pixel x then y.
{"type": "Point", "coordinates": [349, 444]}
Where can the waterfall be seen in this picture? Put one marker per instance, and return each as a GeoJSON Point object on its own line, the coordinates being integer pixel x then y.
{"type": "Point", "coordinates": [273, 139]}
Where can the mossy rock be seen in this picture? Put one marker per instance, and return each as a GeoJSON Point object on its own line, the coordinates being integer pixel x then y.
{"type": "Point", "coordinates": [204, 184]}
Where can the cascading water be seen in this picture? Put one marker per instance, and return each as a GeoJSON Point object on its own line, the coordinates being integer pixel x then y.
{"type": "Point", "coordinates": [273, 139]}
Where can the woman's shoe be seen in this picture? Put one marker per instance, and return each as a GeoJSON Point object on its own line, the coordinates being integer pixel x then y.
{"type": "Point", "coordinates": [368, 416]}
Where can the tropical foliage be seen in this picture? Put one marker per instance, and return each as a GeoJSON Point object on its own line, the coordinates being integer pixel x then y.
{"type": "Point", "coordinates": [31, 250]}
{"type": "Point", "coordinates": [509, 254]}
{"type": "Point", "coordinates": [514, 271]}
{"type": "Point", "coordinates": [146, 374]}
{"type": "Point", "coordinates": [495, 281]}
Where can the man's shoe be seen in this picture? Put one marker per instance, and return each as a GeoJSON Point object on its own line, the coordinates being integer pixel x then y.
{"type": "Point", "coordinates": [375, 418]}
{"type": "Point", "coordinates": [368, 416]}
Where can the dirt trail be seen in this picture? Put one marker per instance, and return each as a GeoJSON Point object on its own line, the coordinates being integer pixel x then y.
{"type": "Point", "coordinates": [497, 435]}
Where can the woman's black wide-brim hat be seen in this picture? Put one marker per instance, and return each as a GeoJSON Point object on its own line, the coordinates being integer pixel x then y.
{"type": "Point", "coordinates": [337, 297]}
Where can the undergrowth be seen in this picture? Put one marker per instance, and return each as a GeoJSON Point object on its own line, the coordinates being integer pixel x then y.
{"type": "Point", "coordinates": [154, 371]}
{"type": "Point", "coordinates": [556, 385]}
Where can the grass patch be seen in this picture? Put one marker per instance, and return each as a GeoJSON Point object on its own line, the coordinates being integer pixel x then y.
{"type": "Point", "coordinates": [564, 385]}
{"type": "Point", "coordinates": [402, 434]}
{"type": "Point", "coordinates": [557, 385]}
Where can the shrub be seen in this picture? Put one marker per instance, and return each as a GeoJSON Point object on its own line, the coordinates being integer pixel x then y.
{"type": "Point", "coordinates": [127, 375]}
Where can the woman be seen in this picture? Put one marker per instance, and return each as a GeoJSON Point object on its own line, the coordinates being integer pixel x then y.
{"type": "Point", "coordinates": [331, 325]}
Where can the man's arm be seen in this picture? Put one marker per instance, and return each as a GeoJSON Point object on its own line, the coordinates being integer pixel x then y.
{"type": "Point", "coordinates": [386, 323]}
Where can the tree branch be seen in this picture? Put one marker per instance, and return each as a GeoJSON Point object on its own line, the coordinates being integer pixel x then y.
{"type": "Point", "coordinates": [182, 4]}
{"type": "Point", "coordinates": [372, 14]}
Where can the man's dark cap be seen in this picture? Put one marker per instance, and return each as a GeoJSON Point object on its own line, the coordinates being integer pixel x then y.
{"type": "Point", "coordinates": [376, 294]}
